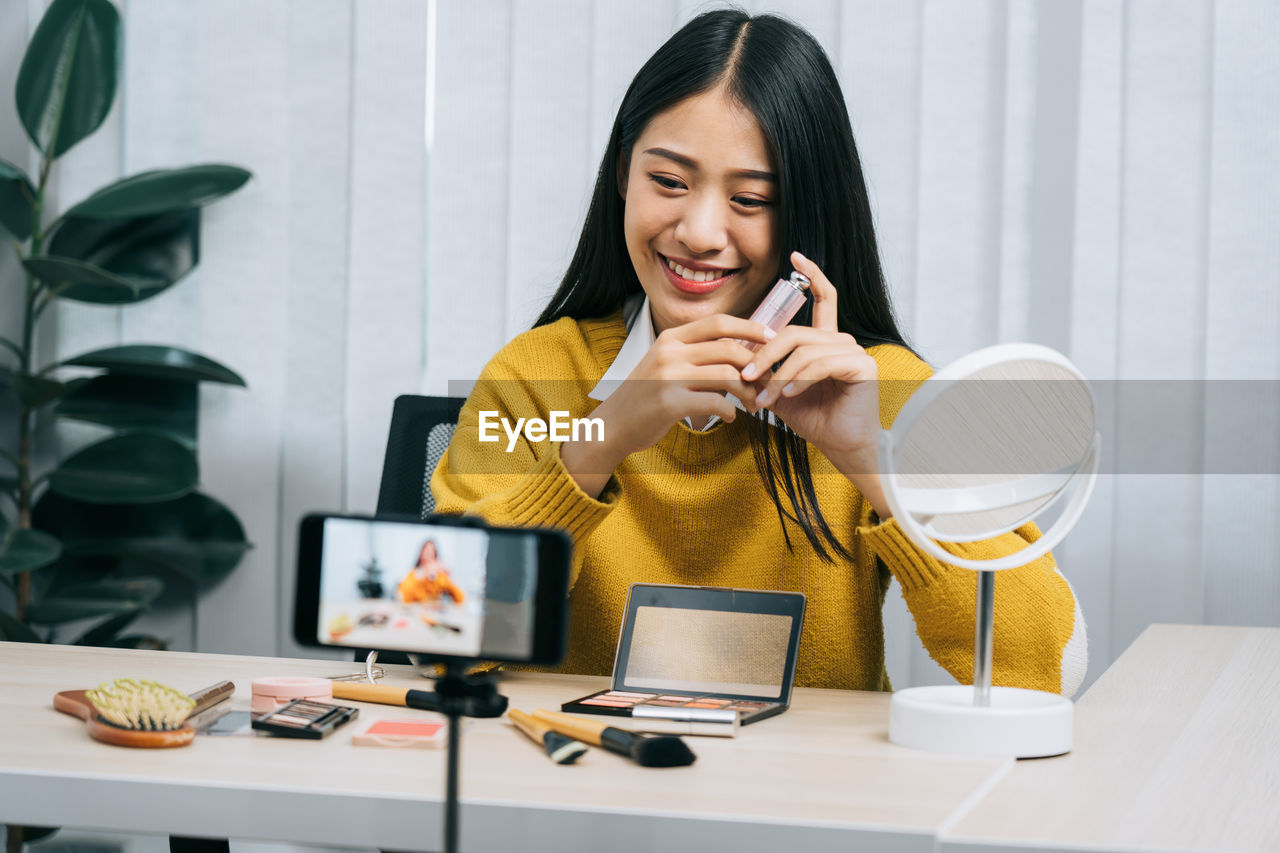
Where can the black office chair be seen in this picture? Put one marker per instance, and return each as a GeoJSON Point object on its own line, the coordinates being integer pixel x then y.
{"type": "Point", "coordinates": [421, 429]}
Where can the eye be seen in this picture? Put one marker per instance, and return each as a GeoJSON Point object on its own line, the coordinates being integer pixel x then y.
{"type": "Point", "coordinates": [666, 182]}
{"type": "Point", "coordinates": [751, 201]}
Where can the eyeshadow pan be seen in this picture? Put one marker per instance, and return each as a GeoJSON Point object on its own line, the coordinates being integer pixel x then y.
{"type": "Point", "coordinates": [606, 703]}
{"type": "Point", "coordinates": [703, 705]}
{"type": "Point", "coordinates": [681, 699]}
{"type": "Point", "coordinates": [666, 703]}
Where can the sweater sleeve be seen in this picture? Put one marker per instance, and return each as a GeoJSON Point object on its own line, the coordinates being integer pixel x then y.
{"type": "Point", "coordinates": [1039, 641]}
{"type": "Point", "coordinates": [527, 485]}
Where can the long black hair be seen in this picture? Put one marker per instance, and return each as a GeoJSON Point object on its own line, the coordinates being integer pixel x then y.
{"type": "Point", "coordinates": [779, 72]}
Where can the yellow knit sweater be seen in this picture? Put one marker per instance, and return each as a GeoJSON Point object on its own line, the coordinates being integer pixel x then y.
{"type": "Point", "coordinates": [692, 510]}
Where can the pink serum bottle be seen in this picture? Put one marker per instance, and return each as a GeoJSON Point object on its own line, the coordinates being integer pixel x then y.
{"type": "Point", "coordinates": [780, 305]}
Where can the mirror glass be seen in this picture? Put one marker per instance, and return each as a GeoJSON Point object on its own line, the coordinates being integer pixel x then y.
{"type": "Point", "coordinates": [986, 450]}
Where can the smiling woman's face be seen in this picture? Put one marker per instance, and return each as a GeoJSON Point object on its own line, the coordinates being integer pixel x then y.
{"type": "Point", "coordinates": [701, 215]}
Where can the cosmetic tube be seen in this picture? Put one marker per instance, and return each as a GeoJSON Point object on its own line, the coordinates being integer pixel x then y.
{"type": "Point", "coordinates": [780, 305]}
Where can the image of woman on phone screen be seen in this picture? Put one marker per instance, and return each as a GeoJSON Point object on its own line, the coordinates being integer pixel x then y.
{"type": "Point", "coordinates": [732, 455]}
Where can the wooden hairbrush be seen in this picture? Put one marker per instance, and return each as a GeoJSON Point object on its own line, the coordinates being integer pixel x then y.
{"type": "Point", "coordinates": [132, 712]}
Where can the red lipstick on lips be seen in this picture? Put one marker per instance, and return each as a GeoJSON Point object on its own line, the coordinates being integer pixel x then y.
{"type": "Point", "coordinates": [694, 287]}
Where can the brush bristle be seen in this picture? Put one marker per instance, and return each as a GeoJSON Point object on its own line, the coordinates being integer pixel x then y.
{"type": "Point", "coordinates": [141, 705]}
{"type": "Point", "coordinates": [661, 752]}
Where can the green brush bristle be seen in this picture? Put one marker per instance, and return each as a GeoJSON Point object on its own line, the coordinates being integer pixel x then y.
{"type": "Point", "coordinates": [141, 705]}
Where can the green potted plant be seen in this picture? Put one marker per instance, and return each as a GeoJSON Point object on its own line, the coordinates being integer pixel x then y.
{"type": "Point", "coordinates": [94, 535]}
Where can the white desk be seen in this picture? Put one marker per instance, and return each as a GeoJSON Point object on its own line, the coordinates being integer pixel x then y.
{"type": "Point", "coordinates": [821, 776]}
{"type": "Point", "coordinates": [1177, 748]}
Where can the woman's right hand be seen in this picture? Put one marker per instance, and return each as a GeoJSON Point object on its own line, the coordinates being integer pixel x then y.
{"type": "Point", "coordinates": [685, 374]}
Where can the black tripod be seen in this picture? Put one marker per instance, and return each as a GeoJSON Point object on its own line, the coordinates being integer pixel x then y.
{"type": "Point", "coordinates": [459, 695]}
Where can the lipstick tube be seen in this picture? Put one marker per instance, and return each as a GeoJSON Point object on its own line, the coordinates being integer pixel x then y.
{"type": "Point", "coordinates": [781, 305]}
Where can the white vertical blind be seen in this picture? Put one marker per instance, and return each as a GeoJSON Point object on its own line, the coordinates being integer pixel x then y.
{"type": "Point", "coordinates": [1100, 177]}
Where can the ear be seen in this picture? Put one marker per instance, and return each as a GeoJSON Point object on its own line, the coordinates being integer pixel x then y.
{"type": "Point", "coordinates": [624, 168]}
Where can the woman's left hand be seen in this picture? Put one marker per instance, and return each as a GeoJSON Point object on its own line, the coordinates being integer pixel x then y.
{"type": "Point", "coordinates": [826, 390]}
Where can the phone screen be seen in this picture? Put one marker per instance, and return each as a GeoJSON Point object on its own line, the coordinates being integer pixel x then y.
{"type": "Point", "coordinates": [441, 589]}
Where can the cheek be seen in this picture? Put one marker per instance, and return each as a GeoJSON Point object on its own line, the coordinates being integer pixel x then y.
{"type": "Point", "coordinates": [645, 215]}
{"type": "Point", "coordinates": [760, 242]}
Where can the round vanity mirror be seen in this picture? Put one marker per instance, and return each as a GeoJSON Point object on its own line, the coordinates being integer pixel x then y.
{"type": "Point", "coordinates": [1001, 438]}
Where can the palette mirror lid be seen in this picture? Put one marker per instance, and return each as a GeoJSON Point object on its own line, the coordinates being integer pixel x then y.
{"type": "Point", "coordinates": [730, 642]}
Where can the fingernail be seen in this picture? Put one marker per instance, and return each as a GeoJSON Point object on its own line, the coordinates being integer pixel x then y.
{"type": "Point", "coordinates": [749, 371]}
{"type": "Point", "coordinates": [763, 398]}
{"type": "Point", "coordinates": [801, 257]}
{"type": "Point", "coordinates": [769, 334]}
{"type": "Point", "coordinates": [788, 388]}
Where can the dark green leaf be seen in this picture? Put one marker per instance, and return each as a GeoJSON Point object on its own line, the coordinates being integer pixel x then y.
{"type": "Point", "coordinates": [161, 362]}
{"type": "Point", "coordinates": [17, 200]}
{"type": "Point", "coordinates": [23, 550]}
{"type": "Point", "coordinates": [101, 598]}
{"type": "Point", "coordinates": [35, 391]}
{"type": "Point", "coordinates": [162, 248]}
{"type": "Point", "coordinates": [88, 283]}
{"type": "Point", "coordinates": [68, 77]}
{"type": "Point", "coordinates": [13, 631]}
{"type": "Point", "coordinates": [162, 191]}
{"type": "Point", "coordinates": [107, 630]}
{"type": "Point", "coordinates": [195, 535]}
{"type": "Point", "coordinates": [70, 570]}
{"type": "Point", "coordinates": [35, 833]}
{"type": "Point", "coordinates": [134, 468]}
{"type": "Point", "coordinates": [150, 642]}
{"type": "Point", "coordinates": [125, 402]}
{"type": "Point", "coordinates": [8, 483]}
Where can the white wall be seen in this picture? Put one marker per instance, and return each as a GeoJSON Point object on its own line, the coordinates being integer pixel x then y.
{"type": "Point", "coordinates": [1100, 177]}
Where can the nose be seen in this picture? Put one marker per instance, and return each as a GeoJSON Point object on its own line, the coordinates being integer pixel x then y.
{"type": "Point", "coordinates": [703, 227]}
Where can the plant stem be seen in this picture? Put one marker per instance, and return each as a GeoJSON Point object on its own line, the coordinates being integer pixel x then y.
{"type": "Point", "coordinates": [26, 413]}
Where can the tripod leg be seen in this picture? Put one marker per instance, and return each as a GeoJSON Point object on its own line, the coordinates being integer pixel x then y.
{"type": "Point", "coordinates": [451, 787]}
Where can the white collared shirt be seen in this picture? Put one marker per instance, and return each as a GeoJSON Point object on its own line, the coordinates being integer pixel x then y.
{"type": "Point", "coordinates": [640, 339]}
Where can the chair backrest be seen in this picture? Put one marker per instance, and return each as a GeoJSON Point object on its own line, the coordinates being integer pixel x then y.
{"type": "Point", "coordinates": [421, 428]}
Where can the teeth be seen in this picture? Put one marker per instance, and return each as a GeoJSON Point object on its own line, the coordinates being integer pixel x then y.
{"type": "Point", "coordinates": [692, 275]}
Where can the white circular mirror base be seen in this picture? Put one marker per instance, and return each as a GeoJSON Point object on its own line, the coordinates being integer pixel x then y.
{"type": "Point", "coordinates": [1017, 724]}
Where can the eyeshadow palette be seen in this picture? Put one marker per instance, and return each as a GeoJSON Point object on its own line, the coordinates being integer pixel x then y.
{"type": "Point", "coordinates": [702, 655]}
{"type": "Point", "coordinates": [305, 719]}
{"type": "Point", "coordinates": [673, 706]}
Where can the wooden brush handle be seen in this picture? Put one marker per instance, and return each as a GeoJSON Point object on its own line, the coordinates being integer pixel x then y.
{"type": "Point", "coordinates": [381, 694]}
{"type": "Point", "coordinates": [75, 703]}
{"type": "Point", "coordinates": [586, 731]}
{"type": "Point", "coordinates": [535, 729]}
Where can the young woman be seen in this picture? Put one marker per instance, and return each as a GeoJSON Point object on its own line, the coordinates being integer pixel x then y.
{"type": "Point", "coordinates": [429, 580]}
{"type": "Point", "coordinates": [731, 163]}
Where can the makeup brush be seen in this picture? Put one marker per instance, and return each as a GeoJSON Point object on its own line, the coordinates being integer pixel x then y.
{"type": "Point", "coordinates": [206, 697]}
{"type": "Point", "coordinates": [385, 694]}
{"type": "Point", "coordinates": [131, 712]}
{"type": "Point", "coordinates": [662, 751]}
{"type": "Point", "coordinates": [560, 749]}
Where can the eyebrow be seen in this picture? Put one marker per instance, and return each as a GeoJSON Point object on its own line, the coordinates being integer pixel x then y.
{"type": "Point", "coordinates": [693, 164]}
